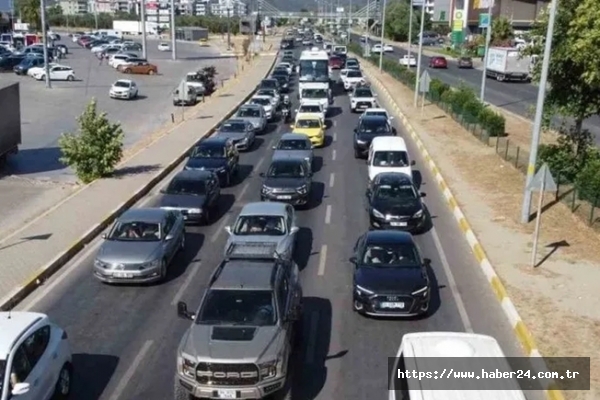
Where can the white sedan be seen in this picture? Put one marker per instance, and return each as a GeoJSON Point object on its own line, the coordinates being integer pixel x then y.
{"type": "Point", "coordinates": [57, 73]}
{"type": "Point", "coordinates": [38, 70]}
{"type": "Point", "coordinates": [386, 48]}
{"type": "Point", "coordinates": [99, 49]}
{"type": "Point", "coordinates": [164, 47]}
{"type": "Point", "coordinates": [408, 61]}
{"type": "Point", "coordinates": [123, 89]}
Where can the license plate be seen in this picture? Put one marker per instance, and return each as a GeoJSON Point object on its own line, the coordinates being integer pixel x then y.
{"type": "Point", "coordinates": [399, 223]}
{"type": "Point", "coordinates": [392, 305]}
{"type": "Point", "coordinates": [284, 197]}
{"type": "Point", "coordinates": [227, 394]}
{"type": "Point", "coordinates": [122, 275]}
{"type": "Point", "coordinates": [185, 217]}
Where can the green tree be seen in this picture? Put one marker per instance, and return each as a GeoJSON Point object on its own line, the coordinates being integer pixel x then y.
{"type": "Point", "coordinates": [502, 32]}
{"type": "Point", "coordinates": [55, 10]}
{"type": "Point", "coordinates": [585, 28]}
{"type": "Point", "coordinates": [30, 12]}
{"type": "Point", "coordinates": [96, 149]}
{"type": "Point", "coordinates": [397, 17]}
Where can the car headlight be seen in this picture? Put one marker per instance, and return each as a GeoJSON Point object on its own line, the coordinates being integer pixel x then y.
{"type": "Point", "coordinates": [360, 141]}
{"type": "Point", "coordinates": [421, 292]}
{"type": "Point", "coordinates": [244, 140]}
{"type": "Point", "coordinates": [265, 190]}
{"type": "Point", "coordinates": [187, 367]}
{"type": "Point", "coordinates": [151, 264]}
{"type": "Point", "coordinates": [302, 189]}
{"type": "Point", "coordinates": [377, 214]}
{"type": "Point", "coordinates": [418, 214]}
{"type": "Point", "coordinates": [220, 170]}
{"type": "Point", "coordinates": [194, 210]}
{"type": "Point", "coordinates": [362, 291]}
{"type": "Point", "coordinates": [99, 264]}
{"type": "Point", "coordinates": [268, 369]}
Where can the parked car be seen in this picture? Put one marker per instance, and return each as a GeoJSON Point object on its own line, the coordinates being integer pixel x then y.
{"type": "Point", "coordinates": [438, 62]}
{"type": "Point", "coordinates": [57, 73]}
{"type": "Point", "coordinates": [465, 62]}
{"type": "Point", "coordinates": [164, 47]}
{"type": "Point", "coordinates": [7, 64]}
{"type": "Point", "coordinates": [138, 67]}
{"type": "Point", "coordinates": [123, 89]}
{"type": "Point", "coordinates": [28, 63]}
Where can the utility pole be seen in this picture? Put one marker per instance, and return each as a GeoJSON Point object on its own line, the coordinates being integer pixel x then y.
{"type": "Point", "coordinates": [349, 21]}
{"type": "Point", "coordinates": [96, 13]}
{"type": "Point", "coordinates": [539, 112]}
{"type": "Point", "coordinates": [45, 42]}
{"type": "Point", "coordinates": [228, 25]}
{"type": "Point", "coordinates": [382, 35]}
{"type": "Point", "coordinates": [143, 23]}
{"type": "Point", "coordinates": [488, 39]}
{"type": "Point", "coordinates": [173, 38]}
{"type": "Point", "coordinates": [420, 58]}
{"type": "Point", "coordinates": [410, 26]}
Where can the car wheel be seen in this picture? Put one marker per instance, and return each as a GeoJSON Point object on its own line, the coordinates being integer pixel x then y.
{"type": "Point", "coordinates": [180, 393]}
{"type": "Point", "coordinates": [228, 179]}
{"type": "Point", "coordinates": [182, 242]}
{"type": "Point", "coordinates": [63, 384]}
{"type": "Point", "coordinates": [70, 78]}
{"type": "Point", "coordinates": [356, 153]}
{"type": "Point", "coordinates": [127, 71]}
{"type": "Point", "coordinates": [207, 216]}
{"type": "Point", "coordinates": [151, 72]}
{"type": "Point", "coordinates": [163, 270]}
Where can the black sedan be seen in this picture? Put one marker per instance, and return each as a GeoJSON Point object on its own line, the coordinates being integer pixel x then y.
{"type": "Point", "coordinates": [390, 277]}
{"type": "Point", "coordinates": [195, 194]}
{"type": "Point", "coordinates": [395, 203]}
{"type": "Point", "coordinates": [288, 180]}
{"type": "Point", "coordinates": [283, 79]}
{"type": "Point", "coordinates": [215, 154]}
{"type": "Point", "coordinates": [369, 127]}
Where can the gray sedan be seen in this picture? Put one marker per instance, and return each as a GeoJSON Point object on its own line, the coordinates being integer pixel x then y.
{"type": "Point", "coordinates": [140, 246]}
{"type": "Point", "coordinates": [240, 131]}
{"type": "Point", "coordinates": [294, 145]}
{"type": "Point", "coordinates": [255, 114]}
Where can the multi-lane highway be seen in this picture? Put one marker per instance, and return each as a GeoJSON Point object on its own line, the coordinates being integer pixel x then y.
{"type": "Point", "coordinates": [124, 339]}
{"type": "Point", "coordinates": [515, 97]}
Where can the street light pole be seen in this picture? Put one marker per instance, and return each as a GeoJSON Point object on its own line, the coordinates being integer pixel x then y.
{"type": "Point", "coordinates": [143, 23]}
{"type": "Point", "coordinates": [96, 13]}
{"type": "Point", "coordinates": [410, 26]}
{"type": "Point", "coordinates": [173, 38]}
{"type": "Point", "coordinates": [228, 28]}
{"type": "Point", "coordinates": [420, 58]}
{"type": "Point", "coordinates": [45, 42]}
{"type": "Point", "coordinates": [539, 112]}
{"type": "Point", "coordinates": [382, 35]}
{"type": "Point", "coordinates": [488, 39]}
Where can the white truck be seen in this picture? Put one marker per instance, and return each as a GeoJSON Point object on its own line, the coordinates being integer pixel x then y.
{"type": "Point", "coordinates": [135, 27]}
{"type": "Point", "coordinates": [508, 64]}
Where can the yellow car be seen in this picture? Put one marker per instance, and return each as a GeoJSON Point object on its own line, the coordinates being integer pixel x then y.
{"type": "Point", "coordinates": [312, 126]}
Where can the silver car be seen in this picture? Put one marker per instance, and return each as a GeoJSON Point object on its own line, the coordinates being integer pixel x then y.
{"type": "Point", "coordinates": [273, 94]}
{"type": "Point", "coordinates": [263, 228]}
{"type": "Point", "coordinates": [240, 131]}
{"type": "Point", "coordinates": [140, 246]}
{"type": "Point", "coordinates": [294, 145]}
{"type": "Point", "coordinates": [255, 114]}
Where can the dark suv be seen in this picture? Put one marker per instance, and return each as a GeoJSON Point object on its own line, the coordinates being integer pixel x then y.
{"type": "Point", "coordinates": [370, 127]}
{"type": "Point", "coordinates": [289, 180]}
{"type": "Point", "coordinates": [218, 155]}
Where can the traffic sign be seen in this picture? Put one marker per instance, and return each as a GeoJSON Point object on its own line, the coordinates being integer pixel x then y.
{"type": "Point", "coordinates": [542, 180]}
{"type": "Point", "coordinates": [484, 20]}
{"type": "Point", "coordinates": [424, 82]}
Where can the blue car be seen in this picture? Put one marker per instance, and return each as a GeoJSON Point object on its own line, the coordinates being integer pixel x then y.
{"type": "Point", "coordinates": [27, 63]}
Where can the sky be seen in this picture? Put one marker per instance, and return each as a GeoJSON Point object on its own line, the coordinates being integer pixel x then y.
{"type": "Point", "coordinates": [5, 5]}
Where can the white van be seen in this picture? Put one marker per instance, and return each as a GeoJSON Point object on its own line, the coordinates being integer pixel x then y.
{"type": "Point", "coordinates": [340, 49]}
{"type": "Point", "coordinates": [110, 32]}
{"type": "Point", "coordinates": [425, 352]}
{"type": "Point", "coordinates": [388, 154]}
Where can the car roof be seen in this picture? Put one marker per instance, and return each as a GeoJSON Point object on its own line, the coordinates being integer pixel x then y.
{"type": "Point", "coordinates": [193, 175]}
{"type": "Point", "coordinates": [283, 156]}
{"type": "Point", "coordinates": [388, 236]}
{"type": "Point", "coordinates": [294, 136]}
{"type": "Point", "coordinates": [143, 214]}
{"type": "Point", "coordinates": [393, 143]}
{"type": "Point", "coordinates": [12, 325]}
{"type": "Point", "coordinates": [264, 208]}
{"type": "Point", "coordinates": [241, 274]}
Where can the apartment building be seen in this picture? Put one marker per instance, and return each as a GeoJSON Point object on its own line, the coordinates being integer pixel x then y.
{"type": "Point", "coordinates": [73, 7]}
{"type": "Point", "coordinates": [223, 8]}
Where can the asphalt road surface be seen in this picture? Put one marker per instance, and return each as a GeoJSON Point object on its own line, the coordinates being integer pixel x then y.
{"type": "Point", "coordinates": [516, 97]}
{"type": "Point", "coordinates": [124, 339]}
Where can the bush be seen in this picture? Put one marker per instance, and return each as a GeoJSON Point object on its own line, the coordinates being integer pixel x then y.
{"type": "Point", "coordinates": [492, 122]}
{"type": "Point", "coordinates": [463, 95]}
{"type": "Point", "coordinates": [447, 97]}
{"type": "Point", "coordinates": [588, 182]}
{"type": "Point", "coordinates": [437, 88]}
{"type": "Point", "coordinates": [97, 148]}
{"type": "Point", "coordinates": [471, 110]}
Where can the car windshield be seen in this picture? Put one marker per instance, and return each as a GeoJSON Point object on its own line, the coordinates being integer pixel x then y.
{"type": "Point", "coordinates": [238, 307]}
{"type": "Point", "coordinates": [233, 127]}
{"type": "Point", "coordinates": [376, 114]}
{"type": "Point", "coordinates": [204, 151]}
{"type": "Point", "coordinates": [270, 84]}
{"type": "Point", "coordinates": [354, 74]}
{"type": "Point", "coordinates": [294, 144]}
{"type": "Point", "coordinates": [121, 84]}
{"type": "Point", "coordinates": [286, 170]}
{"type": "Point", "coordinates": [266, 92]}
{"type": "Point", "coordinates": [362, 92]}
{"type": "Point", "coordinates": [351, 63]}
{"type": "Point", "coordinates": [269, 225]}
{"type": "Point", "coordinates": [135, 231]}
{"type": "Point", "coordinates": [262, 101]}
{"type": "Point", "coordinates": [313, 108]}
{"type": "Point", "coordinates": [308, 124]}
{"type": "Point", "coordinates": [279, 73]}
{"type": "Point", "coordinates": [379, 126]}
{"type": "Point", "coordinates": [249, 113]}
{"type": "Point", "coordinates": [391, 255]}
{"type": "Point", "coordinates": [395, 192]}
{"type": "Point", "coordinates": [185, 186]}
{"type": "Point", "coordinates": [314, 93]}
{"type": "Point", "coordinates": [390, 159]}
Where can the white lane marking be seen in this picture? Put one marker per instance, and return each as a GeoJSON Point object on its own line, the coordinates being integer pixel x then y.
{"type": "Point", "coordinates": [311, 346]}
{"type": "Point", "coordinates": [259, 163]}
{"type": "Point", "coordinates": [334, 136]}
{"type": "Point", "coordinates": [328, 214]}
{"type": "Point", "coordinates": [135, 365]}
{"type": "Point", "coordinates": [187, 282]}
{"type": "Point", "coordinates": [334, 123]}
{"type": "Point", "coordinates": [333, 155]}
{"type": "Point", "coordinates": [322, 260]}
{"type": "Point", "coordinates": [246, 185]}
{"type": "Point", "coordinates": [462, 311]}
{"type": "Point", "coordinates": [331, 179]}
{"type": "Point", "coordinates": [219, 230]}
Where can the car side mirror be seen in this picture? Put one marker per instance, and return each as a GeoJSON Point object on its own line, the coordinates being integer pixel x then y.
{"type": "Point", "coordinates": [391, 118]}
{"type": "Point", "coordinates": [374, 94]}
{"type": "Point", "coordinates": [104, 236]}
{"type": "Point", "coordinates": [274, 147]}
{"type": "Point", "coordinates": [355, 130]}
{"type": "Point", "coordinates": [296, 110]}
{"type": "Point", "coordinates": [162, 191]}
{"type": "Point", "coordinates": [427, 261]}
{"type": "Point", "coordinates": [182, 311]}
{"type": "Point", "coordinates": [353, 259]}
{"type": "Point", "coordinates": [292, 126]}
{"type": "Point", "coordinates": [367, 193]}
{"type": "Point", "coordinates": [394, 131]}
{"type": "Point", "coordinates": [423, 194]}
{"type": "Point", "coordinates": [294, 229]}
{"type": "Point", "coordinates": [20, 389]}
{"type": "Point", "coordinates": [228, 229]}
{"type": "Point", "coordinates": [168, 238]}
{"type": "Point", "coordinates": [262, 174]}
{"type": "Point", "coordinates": [412, 162]}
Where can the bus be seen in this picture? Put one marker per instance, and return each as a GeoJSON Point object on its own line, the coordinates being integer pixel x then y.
{"type": "Point", "coordinates": [313, 67]}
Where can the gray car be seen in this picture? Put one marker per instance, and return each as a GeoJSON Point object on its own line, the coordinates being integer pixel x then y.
{"type": "Point", "coordinates": [240, 131]}
{"type": "Point", "coordinates": [294, 145]}
{"type": "Point", "coordinates": [265, 228]}
{"type": "Point", "coordinates": [255, 114]}
{"type": "Point", "coordinates": [140, 246]}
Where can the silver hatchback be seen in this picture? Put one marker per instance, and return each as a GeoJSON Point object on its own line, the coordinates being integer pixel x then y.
{"type": "Point", "coordinates": [140, 246]}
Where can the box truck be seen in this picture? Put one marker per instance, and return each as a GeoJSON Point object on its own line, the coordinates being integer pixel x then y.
{"type": "Point", "coordinates": [135, 27]}
{"type": "Point", "coordinates": [10, 123]}
{"type": "Point", "coordinates": [508, 64]}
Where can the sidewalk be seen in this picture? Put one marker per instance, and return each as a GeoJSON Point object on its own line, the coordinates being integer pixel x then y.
{"type": "Point", "coordinates": [44, 246]}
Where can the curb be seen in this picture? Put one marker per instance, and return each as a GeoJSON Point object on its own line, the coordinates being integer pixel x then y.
{"type": "Point", "coordinates": [520, 330]}
{"type": "Point", "coordinates": [9, 301]}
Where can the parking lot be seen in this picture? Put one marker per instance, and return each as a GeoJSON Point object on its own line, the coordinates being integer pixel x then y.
{"type": "Point", "coordinates": [35, 179]}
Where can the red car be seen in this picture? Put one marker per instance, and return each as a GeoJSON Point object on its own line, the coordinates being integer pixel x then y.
{"type": "Point", "coordinates": [336, 62]}
{"type": "Point", "coordinates": [438, 62]}
{"type": "Point", "coordinates": [84, 40]}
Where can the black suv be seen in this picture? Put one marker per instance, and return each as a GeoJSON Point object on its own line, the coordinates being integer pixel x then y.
{"type": "Point", "coordinates": [395, 203]}
{"type": "Point", "coordinates": [215, 154]}
{"type": "Point", "coordinates": [369, 127]}
{"type": "Point", "coordinates": [269, 84]}
{"type": "Point", "coordinates": [283, 78]}
{"type": "Point", "coordinates": [289, 180]}
{"type": "Point", "coordinates": [390, 277]}
{"type": "Point", "coordinates": [193, 193]}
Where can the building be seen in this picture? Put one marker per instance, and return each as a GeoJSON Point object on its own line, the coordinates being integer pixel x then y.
{"type": "Point", "coordinates": [522, 13]}
{"type": "Point", "coordinates": [73, 7]}
{"type": "Point", "coordinates": [201, 8]}
{"type": "Point", "coordinates": [223, 8]}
